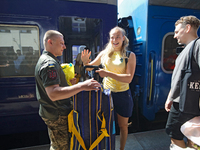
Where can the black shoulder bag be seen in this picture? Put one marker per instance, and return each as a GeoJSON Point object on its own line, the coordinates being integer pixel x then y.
{"type": "Point", "coordinates": [190, 87]}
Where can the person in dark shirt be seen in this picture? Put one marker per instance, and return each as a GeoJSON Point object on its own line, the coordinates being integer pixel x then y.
{"type": "Point", "coordinates": [185, 32]}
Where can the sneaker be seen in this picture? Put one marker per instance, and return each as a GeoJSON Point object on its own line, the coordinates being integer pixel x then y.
{"type": "Point", "coordinates": [189, 148]}
{"type": "Point", "coordinates": [175, 147]}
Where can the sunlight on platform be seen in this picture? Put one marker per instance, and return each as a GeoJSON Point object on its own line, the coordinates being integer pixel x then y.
{"type": "Point", "coordinates": [150, 140]}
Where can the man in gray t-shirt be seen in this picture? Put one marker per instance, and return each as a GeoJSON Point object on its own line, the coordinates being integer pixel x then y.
{"type": "Point", "coordinates": [185, 33]}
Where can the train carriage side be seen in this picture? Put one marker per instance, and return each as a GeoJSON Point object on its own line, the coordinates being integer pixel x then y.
{"type": "Point", "coordinates": [155, 48]}
{"type": "Point", "coordinates": [22, 27]}
{"type": "Point", "coordinates": [161, 48]}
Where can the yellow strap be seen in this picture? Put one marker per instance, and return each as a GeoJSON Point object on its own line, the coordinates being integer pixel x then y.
{"type": "Point", "coordinates": [104, 134]}
{"type": "Point", "coordinates": [90, 116]}
{"type": "Point", "coordinates": [151, 80]}
{"type": "Point", "coordinates": [70, 124]}
{"type": "Point", "coordinates": [70, 121]}
{"type": "Point", "coordinates": [73, 129]}
{"type": "Point", "coordinates": [72, 142]}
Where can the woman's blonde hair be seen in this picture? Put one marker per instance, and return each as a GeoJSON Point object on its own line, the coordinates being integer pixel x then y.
{"type": "Point", "coordinates": [109, 50]}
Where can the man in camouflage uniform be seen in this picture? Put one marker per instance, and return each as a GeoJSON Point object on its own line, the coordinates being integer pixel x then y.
{"type": "Point", "coordinates": [53, 92]}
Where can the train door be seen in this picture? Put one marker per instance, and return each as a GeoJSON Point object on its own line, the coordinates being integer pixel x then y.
{"type": "Point", "coordinates": [168, 57]}
{"type": "Point", "coordinates": [79, 33]}
{"type": "Point", "coordinates": [161, 62]}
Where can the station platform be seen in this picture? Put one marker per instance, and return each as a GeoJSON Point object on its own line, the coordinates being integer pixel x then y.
{"type": "Point", "coordinates": [149, 140]}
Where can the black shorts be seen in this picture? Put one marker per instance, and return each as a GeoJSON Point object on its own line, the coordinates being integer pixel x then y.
{"type": "Point", "coordinates": [175, 120]}
{"type": "Point", "coordinates": [123, 103]}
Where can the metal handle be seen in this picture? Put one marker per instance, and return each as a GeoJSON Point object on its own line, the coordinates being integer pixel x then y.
{"type": "Point", "coordinates": [94, 74]}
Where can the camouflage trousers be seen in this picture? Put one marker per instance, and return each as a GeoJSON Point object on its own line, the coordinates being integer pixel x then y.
{"type": "Point", "coordinates": [58, 133]}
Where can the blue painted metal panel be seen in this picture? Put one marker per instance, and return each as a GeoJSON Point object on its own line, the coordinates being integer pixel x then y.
{"type": "Point", "coordinates": [161, 21]}
{"type": "Point", "coordinates": [151, 23]}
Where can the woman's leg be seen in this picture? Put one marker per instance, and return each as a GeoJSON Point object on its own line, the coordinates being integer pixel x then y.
{"type": "Point", "coordinates": [123, 125]}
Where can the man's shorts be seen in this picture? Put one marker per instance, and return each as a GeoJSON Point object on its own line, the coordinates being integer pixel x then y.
{"type": "Point", "coordinates": [58, 133]}
{"type": "Point", "coordinates": [123, 103]}
{"type": "Point", "coordinates": [175, 120]}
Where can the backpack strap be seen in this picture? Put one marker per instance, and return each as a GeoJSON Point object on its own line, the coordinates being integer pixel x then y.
{"type": "Point", "coordinates": [127, 56]}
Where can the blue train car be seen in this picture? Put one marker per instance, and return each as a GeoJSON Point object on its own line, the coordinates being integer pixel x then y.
{"type": "Point", "coordinates": [22, 27]}
{"type": "Point", "coordinates": [150, 27]}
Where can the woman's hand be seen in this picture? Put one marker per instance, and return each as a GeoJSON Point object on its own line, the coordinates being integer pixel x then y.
{"type": "Point", "coordinates": [103, 73]}
{"type": "Point", "coordinates": [85, 56]}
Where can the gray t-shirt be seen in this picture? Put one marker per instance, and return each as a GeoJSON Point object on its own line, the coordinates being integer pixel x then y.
{"type": "Point", "coordinates": [180, 64]}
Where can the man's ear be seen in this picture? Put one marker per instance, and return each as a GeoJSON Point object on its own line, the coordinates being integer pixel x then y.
{"type": "Point", "coordinates": [188, 28]}
{"type": "Point", "coordinates": [49, 41]}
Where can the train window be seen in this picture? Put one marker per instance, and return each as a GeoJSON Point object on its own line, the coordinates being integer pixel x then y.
{"type": "Point", "coordinates": [19, 50]}
{"type": "Point", "coordinates": [169, 52]}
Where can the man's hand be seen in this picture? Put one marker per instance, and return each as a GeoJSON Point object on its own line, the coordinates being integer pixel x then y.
{"type": "Point", "coordinates": [73, 81]}
{"type": "Point", "coordinates": [90, 84]}
{"type": "Point", "coordinates": [168, 105]}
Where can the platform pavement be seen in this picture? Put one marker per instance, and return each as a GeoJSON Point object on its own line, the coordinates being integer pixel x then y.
{"type": "Point", "coordinates": [149, 140]}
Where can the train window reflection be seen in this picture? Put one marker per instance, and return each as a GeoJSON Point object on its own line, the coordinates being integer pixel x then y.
{"type": "Point", "coordinates": [169, 53]}
{"type": "Point", "coordinates": [19, 50]}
